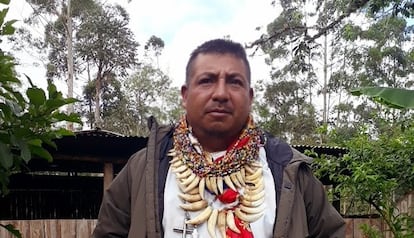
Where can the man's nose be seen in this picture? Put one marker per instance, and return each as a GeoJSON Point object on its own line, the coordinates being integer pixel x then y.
{"type": "Point", "coordinates": [221, 91]}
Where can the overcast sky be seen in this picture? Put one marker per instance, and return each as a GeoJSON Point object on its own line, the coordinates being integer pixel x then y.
{"type": "Point", "coordinates": [183, 25]}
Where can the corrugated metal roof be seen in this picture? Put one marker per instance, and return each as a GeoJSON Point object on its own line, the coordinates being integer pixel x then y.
{"type": "Point", "coordinates": [98, 132]}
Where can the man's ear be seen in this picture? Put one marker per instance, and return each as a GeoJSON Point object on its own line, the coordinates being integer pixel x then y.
{"type": "Point", "coordinates": [184, 91]}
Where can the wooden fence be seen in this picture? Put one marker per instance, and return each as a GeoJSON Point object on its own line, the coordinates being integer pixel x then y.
{"type": "Point", "coordinates": [51, 228]}
{"type": "Point", "coordinates": [83, 228]}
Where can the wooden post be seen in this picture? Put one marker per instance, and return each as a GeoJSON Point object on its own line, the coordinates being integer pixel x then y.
{"type": "Point", "coordinates": [108, 174]}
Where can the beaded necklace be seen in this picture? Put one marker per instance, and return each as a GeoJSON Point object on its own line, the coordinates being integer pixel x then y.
{"type": "Point", "coordinates": [244, 151]}
{"type": "Point", "coordinates": [239, 169]}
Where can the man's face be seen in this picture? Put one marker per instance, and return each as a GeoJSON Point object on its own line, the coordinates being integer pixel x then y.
{"type": "Point", "coordinates": [218, 96]}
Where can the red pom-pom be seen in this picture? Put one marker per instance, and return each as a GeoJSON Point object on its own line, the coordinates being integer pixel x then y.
{"type": "Point", "coordinates": [228, 196]}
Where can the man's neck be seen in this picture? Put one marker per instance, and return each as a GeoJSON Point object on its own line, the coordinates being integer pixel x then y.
{"type": "Point", "coordinates": [214, 143]}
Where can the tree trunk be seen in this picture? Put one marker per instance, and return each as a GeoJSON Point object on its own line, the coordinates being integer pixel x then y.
{"type": "Point", "coordinates": [98, 101]}
{"type": "Point", "coordinates": [325, 81]}
{"type": "Point", "coordinates": [69, 42]}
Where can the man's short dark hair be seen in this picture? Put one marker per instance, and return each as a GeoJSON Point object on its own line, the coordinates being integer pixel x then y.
{"type": "Point", "coordinates": [218, 46]}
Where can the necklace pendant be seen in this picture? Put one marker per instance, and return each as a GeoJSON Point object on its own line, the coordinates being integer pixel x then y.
{"type": "Point", "coordinates": [185, 229]}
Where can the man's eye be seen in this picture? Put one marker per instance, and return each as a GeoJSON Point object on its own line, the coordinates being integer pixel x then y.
{"type": "Point", "coordinates": [236, 81]}
{"type": "Point", "coordinates": [205, 80]}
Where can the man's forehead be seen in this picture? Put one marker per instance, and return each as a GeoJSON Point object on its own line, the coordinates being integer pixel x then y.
{"type": "Point", "coordinates": [211, 59]}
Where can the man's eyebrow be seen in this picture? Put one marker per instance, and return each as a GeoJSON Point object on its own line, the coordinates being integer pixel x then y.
{"type": "Point", "coordinates": [236, 74]}
{"type": "Point", "coordinates": [210, 74]}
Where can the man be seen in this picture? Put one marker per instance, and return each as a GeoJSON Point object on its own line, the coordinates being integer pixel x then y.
{"type": "Point", "coordinates": [215, 174]}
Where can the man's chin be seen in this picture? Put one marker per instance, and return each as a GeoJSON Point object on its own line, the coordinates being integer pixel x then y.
{"type": "Point", "coordinates": [218, 131]}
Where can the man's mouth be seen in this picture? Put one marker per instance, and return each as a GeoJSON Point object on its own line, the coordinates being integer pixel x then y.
{"type": "Point", "coordinates": [219, 110]}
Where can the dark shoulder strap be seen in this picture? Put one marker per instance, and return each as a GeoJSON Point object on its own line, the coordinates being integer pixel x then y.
{"type": "Point", "coordinates": [278, 154]}
{"type": "Point", "coordinates": [165, 146]}
{"type": "Point", "coordinates": [155, 151]}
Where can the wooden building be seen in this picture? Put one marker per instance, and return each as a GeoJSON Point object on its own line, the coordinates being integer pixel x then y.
{"type": "Point", "coordinates": [72, 185]}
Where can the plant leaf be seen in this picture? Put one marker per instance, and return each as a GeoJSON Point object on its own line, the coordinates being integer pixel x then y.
{"type": "Point", "coordinates": [36, 96]}
{"type": "Point", "coordinates": [6, 156]}
{"type": "Point", "coordinates": [5, 2]}
{"type": "Point", "coordinates": [392, 97]}
{"type": "Point", "coordinates": [12, 230]}
{"type": "Point", "coordinates": [43, 153]}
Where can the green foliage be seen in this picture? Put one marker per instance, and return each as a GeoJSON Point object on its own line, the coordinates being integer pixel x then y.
{"type": "Point", "coordinates": [392, 97]}
{"type": "Point", "coordinates": [375, 53]}
{"type": "Point", "coordinates": [12, 230]}
{"type": "Point", "coordinates": [28, 121]}
{"type": "Point", "coordinates": [284, 111]}
{"type": "Point", "coordinates": [377, 172]}
{"type": "Point", "coordinates": [107, 45]}
{"type": "Point", "coordinates": [148, 92]}
{"type": "Point", "coordinates": [28, 125]}
{"type": "Point", "coordinates": [155, 44]}
{"type": "Point", "coordinates": [370, 232]}
{"type": "Point", "coordinates": [94, 47]}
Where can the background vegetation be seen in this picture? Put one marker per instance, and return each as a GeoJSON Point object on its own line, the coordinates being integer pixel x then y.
{"type": "Point", "coordinates": [322, 53]}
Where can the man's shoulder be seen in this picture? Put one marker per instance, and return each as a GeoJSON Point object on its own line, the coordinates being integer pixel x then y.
{"type": "Point", "coordinates": [156, 139]}
{"type": "Point", "coordinates": [280, 152]}
{"type": "Point", "coordinates": [277, 150]}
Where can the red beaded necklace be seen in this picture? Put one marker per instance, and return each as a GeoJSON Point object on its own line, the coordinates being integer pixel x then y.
{"type": "Point", "coordinates": [243, 151]}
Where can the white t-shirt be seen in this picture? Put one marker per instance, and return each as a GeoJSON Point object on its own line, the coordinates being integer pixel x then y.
{"type": "Point", "coordinates": [174, 216]}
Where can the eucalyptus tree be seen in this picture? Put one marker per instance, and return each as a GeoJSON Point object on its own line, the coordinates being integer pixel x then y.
{"type": "Point", "coordinates": [59, 19]}
{"type": "Point", "coordinates": [294, 38]}
{"type": "Point", "coordinates": [149, 92]}
{"type": "Point", "coordinates": [169, 109]}
{"type": "Point", "coordinates": [127, 104]}
{"type": "Point", "coordinates": [172, 108]}
{"type": "Point", "coordinates": [28, 121]}
{"type": "Point", "coordinates": [284, 111]}
{"type": "Point", "coordinates": [87, 106]}
{"type": "Point", "coordinates": [53, 16]}
{"type": "Point", "coordinates": [293, 25]}
{"type": "Point", "coordinates": [107, 45]}
{"type": "Point", "coordinates": [116, 115]}
{"type": "Point", "coordinates": [379, 55]}
{"type": "Point", "coordinates": [144, 90]}
{"type": "Point", "coordinates": [155, 46]}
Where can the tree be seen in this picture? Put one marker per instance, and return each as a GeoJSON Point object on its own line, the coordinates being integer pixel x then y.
{"type": "Point", "coordinates": [28, 122]}
{"type": "Point", "coordinates": [377, 55]}
{"type": "Point", "coordinates": [144, 89]}
{"type": "Point", "coordinates": [126, 104]}
{"type": "Point", "coordinates": [62, 20]}
{"type": "Point", "coordinates": [154, 45]}
{"type": "Point", "coordinates": [375, 174]}
{"type": "Point", "coordinates": [285, 112]}
{"type": "Point", "coordinates": [107, 44]}
{"type": "Point", "coordinates": [384, 61]}
{"type": "Point", "coordinates": [303, 35]}
{"type": "Point", "coordinates": [54, 16]}
{"type": "Point", "coordinates": [116, 114]}
{"type": "Point", "coordinates": [171, 109]}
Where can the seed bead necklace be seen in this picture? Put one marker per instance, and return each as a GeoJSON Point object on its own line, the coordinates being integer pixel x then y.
{"type": "Point", "coordinates": [239, 169]}
{"type": "Point", "coordinates": [244, 151]}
